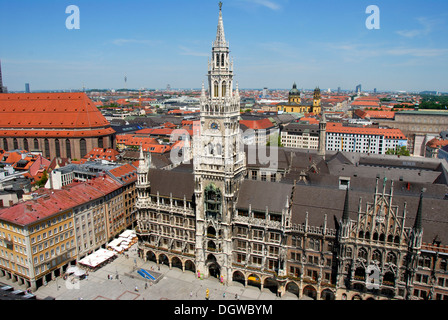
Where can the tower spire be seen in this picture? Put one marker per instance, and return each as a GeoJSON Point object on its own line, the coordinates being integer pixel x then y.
{"type": "Point", "coordinates": [345, 214]}
{"type": "Point", "coordinates": [1, 81]}
{"type": "Point", "coordinates": [418, 218]}
{"type": "Point", "coordinates": [322, 135]}
{"type": "Point", "coordinates": [220, 36]}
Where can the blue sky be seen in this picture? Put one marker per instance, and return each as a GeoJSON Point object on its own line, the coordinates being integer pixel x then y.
{"type": "Point", "coordinates": [273, 42]}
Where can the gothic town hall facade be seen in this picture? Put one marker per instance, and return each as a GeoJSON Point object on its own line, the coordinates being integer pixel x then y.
{"type": "Point", "coordinates": [312, 234]}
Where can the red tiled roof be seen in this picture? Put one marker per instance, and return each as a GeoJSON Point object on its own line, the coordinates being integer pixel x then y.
{"type": "Point", "coordinates": [437, 143]}
{"type": "Point", "coordinates": [309, 120]}
{"type": "Point", "coordinates": [366, 103]}
{"type": "Point", "coordinates": [376, 114]}
{"type": "Point", "coordinates": [131, 140]}
{"type": "Point", "coordinates": [126, 173]}
{"type": "Point", "coordinates": [49, 110]}
{"type": "Point", "coordinates": [388, 133]}
{"type": "Point", "coordinates": [178, 111]}
{"type": "Point", "coordinates": [257, 124]}
{"type": "Point", "coordinates": [102, 153]}
{"type": "Point", "coordinates": [55, 201]}
{"type": "Point", "coordinates": [16, 132]}
{"type": "Point", "coordinates": [156, 131]}
{"type": "Point", "coordinates": [157, 148]}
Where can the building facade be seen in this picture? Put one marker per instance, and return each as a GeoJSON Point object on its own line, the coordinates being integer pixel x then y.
{"type": "Point", "coordinates": [363, 139]}
{"type": "Point", "coordinates": [41, 237]}
{"type": "Point", "coordinates": [297, 135]}
{"type": "Point", "coordinates": [318, 237]}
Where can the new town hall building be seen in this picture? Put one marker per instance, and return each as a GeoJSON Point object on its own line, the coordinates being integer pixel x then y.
{"type": "Point", "coordinates": [333, 226]}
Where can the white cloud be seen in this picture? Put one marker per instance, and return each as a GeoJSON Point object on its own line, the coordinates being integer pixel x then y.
{"type": "Point", "coordinates": [427, 26]}
{"type": "Point", "coordinates": [359, 52]}
{"type": "Point", "coordinates": [417, 52]}
{"type": "Point", "coordinates": [189, 52]}
{"type": "Point", "coordinates": [266, 3]}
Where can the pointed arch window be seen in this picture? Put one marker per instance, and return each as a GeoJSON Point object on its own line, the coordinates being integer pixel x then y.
{"type": "Point", "coordinates": [348, 252]}
{"type": "Point", "coordinates": [362, 253]}
{"type": "Point", "coordinates": [47, 148]}
{"type": "Point", "coordinates": [376, 256]}
{"type": "Point", "coordinates": [222, 60]}
{"type": "Point", "coordinates": [83, 147]}
{"type": "Point", "coordinates": [216, 89]}
{"type": "Point", "coordinates": [213, 201]}
{"type": "Point", "coordinates": [57, 147]}
{"type": "Point", "coordinates": [25, 144]}
{"type": "Point", "coordinates": [391, 258]}
{"type": "Point", "coordinates": [36, 144]}
{"type": "Point", "coordinates": [224, 88]}
{"type": "Point", "coordinates": [217, 59]}
{"type": "Point", "coordinates": [68, 149]}
{"type": "Point", "coordinates": [5, 144]}
{"type": "Point", "coordinates": [389, 279]}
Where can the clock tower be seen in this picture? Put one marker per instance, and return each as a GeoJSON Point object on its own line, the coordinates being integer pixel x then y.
{"type": "Point", "coordinates": [219, 163]}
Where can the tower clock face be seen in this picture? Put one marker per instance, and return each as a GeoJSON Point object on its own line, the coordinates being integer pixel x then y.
{"type": "Point", "coordinates": [214, 125]}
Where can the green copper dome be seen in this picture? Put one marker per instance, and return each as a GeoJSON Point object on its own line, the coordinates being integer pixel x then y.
{"type": "Point", "coordinates": [294, 90]}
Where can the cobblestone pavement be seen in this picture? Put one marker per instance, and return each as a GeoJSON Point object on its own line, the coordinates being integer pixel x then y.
{"type": "Point", "coordinates": [118, 280]}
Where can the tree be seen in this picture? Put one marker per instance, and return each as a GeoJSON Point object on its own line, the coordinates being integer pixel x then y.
{"type": "Point", "coordinates": [275, 138]}
{"type": "Point", "coordinates": [400, 151]}
{"type": "Point", "coordinates": [43, 179]}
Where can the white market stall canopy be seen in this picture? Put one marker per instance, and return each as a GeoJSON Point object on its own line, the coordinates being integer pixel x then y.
{"type": "Point", "coordinates": [97, 258]}
{"type": "Point", "coordinates": [124, 241]}
{"type": "Point", "coordinates": [75, 271]}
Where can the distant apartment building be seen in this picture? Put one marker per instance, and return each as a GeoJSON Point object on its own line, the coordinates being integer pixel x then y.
{"type": "Point", "coordinates": [258, 131]}
{"type": "Point", "coordinates": [298, 135]}
{"type": "Point", "coordinates": [363, 139]}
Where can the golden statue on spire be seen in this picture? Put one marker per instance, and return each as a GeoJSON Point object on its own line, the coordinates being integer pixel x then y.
{"type": "Point", "coordinates": [220, 5]}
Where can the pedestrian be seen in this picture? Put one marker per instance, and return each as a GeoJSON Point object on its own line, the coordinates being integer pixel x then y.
{"type": "Point", "coordinates": [191, 294]}
{"type": "Point", "coordinates": [146, 285]}
{"type": "Point", "coordinates": [224, 295]}
{"type": "Point", "coordinates": [236, 296]}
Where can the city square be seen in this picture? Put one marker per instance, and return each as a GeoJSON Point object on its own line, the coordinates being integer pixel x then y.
{"type": "Point", "coordinates": [103, 284]}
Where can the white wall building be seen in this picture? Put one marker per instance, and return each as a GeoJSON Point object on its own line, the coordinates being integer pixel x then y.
{"type": "Point", "coordinates": [364, 140]}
